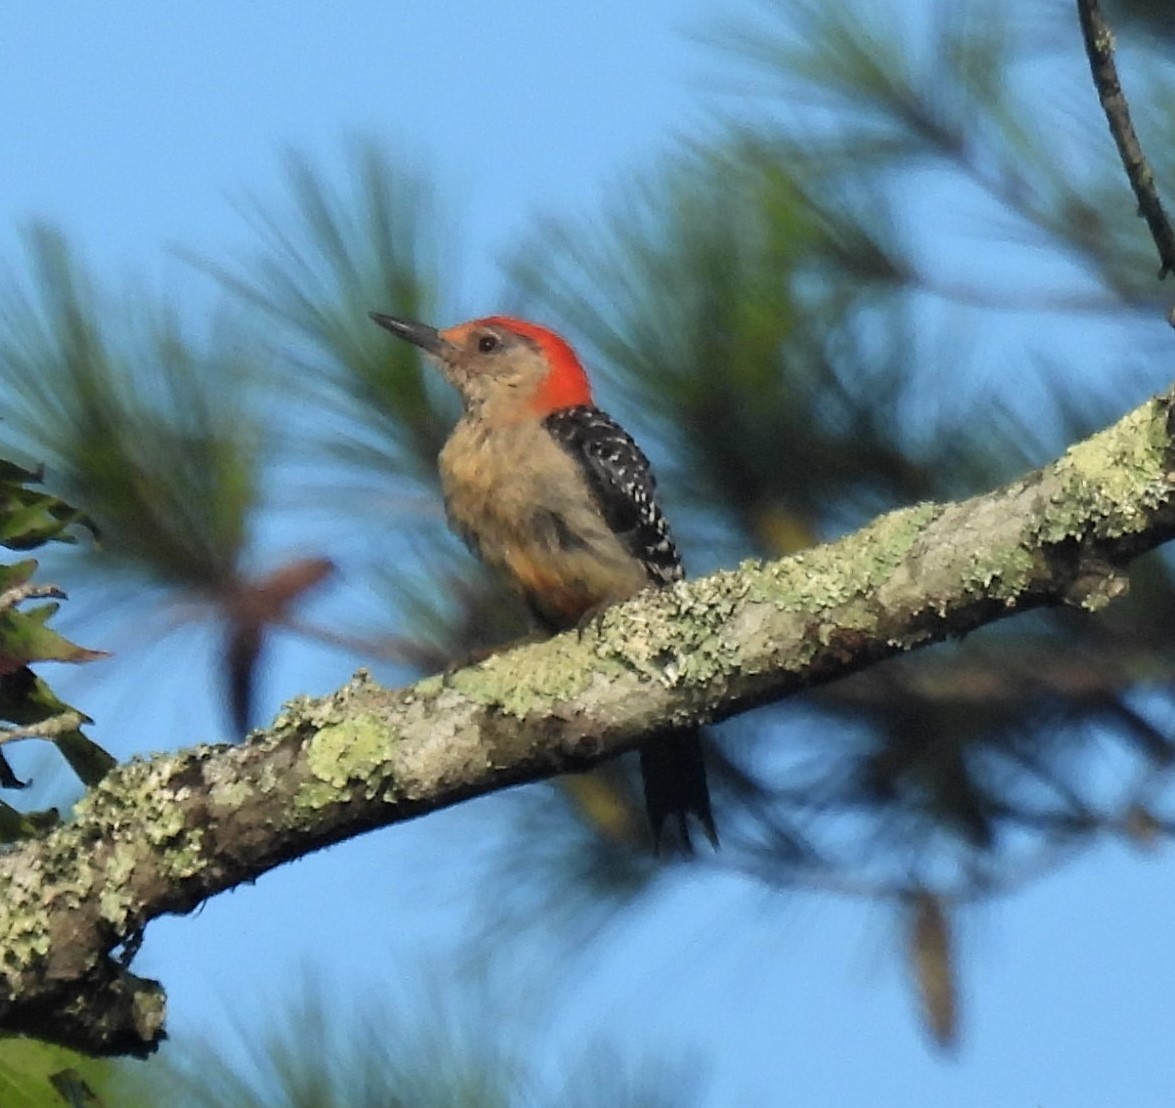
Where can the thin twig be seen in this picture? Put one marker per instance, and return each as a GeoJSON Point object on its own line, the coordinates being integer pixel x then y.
{"type": "Point", "coordinates": [10, 598]}
{"type": "Point", "coordinates": [1099, 46]}
{"type": "Point", "coordinates": [49, 728]}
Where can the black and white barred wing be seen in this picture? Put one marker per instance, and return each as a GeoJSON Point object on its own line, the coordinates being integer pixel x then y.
{"type": "Point", "coordinates": [622, 485]}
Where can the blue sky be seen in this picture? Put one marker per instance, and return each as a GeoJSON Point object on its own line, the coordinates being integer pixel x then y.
{"type": "Point", "coordinates": [136, 127]}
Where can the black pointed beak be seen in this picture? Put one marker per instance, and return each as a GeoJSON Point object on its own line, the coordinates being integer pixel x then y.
{"type": "Point", "coordinates": [419, 334]}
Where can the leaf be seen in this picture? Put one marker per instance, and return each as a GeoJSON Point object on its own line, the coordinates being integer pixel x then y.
{"type": "Point", "coordinates": [18, 574]}
{"type": "Point", "coordinates": [253, 608]}
{"type": "Point", "coordinates": [34, 1074]}
{"type": "Point", "coordinates": [1141, 826]}
{"type": "Point", "coordinates": [74, 1090]}
{"type": "Point", "coordinates": [85, 757]}
{"type": "Point", "coordinates": [24, 638]}
{"type": "Point", "coordinates": [15, 825]}
{"type": "Point", "coordinates": [8, 778]}
{"type": "Point", "coordinates": [12, 474]}
{"type": "Point", "coordinates": [29, 518]}
{"type": "Point", "coordinates": [933, 965]}
{"type": "Point", "coordinates": [26, 701]}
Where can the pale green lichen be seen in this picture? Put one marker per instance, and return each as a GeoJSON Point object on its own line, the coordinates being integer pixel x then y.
{"type": "Point", "coordinates": [140, 798]}
{"type": "Point", "coordinates": [881, 548]}
{"type": "Point", "coordinates": [26, 936]}
{"type": "Point", "coordinates": [354, 750]}
{"type": "Point", "coordinates": [314, 795]}
{"type": "Point", "coordinates": [115, 901]}
{"type": "Point", "coordinates": [1002, 574]}
{"type": "Point", "coordinates": [1112, 479]}
{"type": "Point", "coordinates": [529, 679]}
{"type": "Point", "coordinates": [683, 634]}
{"type": "Point", "coordinates": [235, 792]}
{"type": "Point", "coordinates": [24, 923]}
{"type": "Point", "coordinates": [185, 857]}
{"type": "Point", "coordinates": [828, 576]}
{"type": "Point", "coordinates": [667, 634]}
{"type": "Point", "coordinates": [427, 689]}
{"type": "Point", "coordinates": [1106, 486]}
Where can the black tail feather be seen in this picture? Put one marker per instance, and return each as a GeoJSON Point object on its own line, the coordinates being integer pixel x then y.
{"type": "Point", "coordinates": [674, 773]}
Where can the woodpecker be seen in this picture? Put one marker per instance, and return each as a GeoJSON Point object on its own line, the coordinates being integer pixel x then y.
{"type": "Point", "coordinates": [549, 490]}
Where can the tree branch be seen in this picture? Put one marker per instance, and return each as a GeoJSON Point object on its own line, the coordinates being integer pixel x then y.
{"type": "Point", "coordinates": [1099, 47]}
{"type": "Point", "coordinates": [161, 835]}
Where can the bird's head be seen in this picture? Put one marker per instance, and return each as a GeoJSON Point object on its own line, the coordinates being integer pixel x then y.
{"type": "Point", "coordinates": [503, 363]}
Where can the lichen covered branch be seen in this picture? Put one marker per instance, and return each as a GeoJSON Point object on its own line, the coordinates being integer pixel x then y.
{"type": "Point", "coordinates": [161, 835]}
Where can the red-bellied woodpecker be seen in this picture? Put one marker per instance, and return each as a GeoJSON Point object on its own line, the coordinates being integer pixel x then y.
{"type": "Point", "coordinates": [546, 488]}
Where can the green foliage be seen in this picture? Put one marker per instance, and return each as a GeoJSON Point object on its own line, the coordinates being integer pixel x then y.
{"type": "Point", "coordinates": [421, 1051]}
{"type": "Point", "coordinates": [322, 266]}
{"type": "Point", "coordinates": [160, 437]}
{"type": "Point", "coordinates": [24, 634]}
{"type": "Point", "coordinates": [30, 518]}
{"type": "Point", "coordinates": [154, 437]}
{"type": "Point", "coordinates": [40, 1075]}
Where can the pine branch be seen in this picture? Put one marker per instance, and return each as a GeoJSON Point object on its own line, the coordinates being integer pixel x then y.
{"type": "Point", "coordinates": [161, 835]}
{"type": "Point", "coordinates": [1099, 48]}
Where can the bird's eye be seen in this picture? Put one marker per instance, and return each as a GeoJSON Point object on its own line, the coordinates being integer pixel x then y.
{"type": "Point", "coordinates": [487, 343]}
